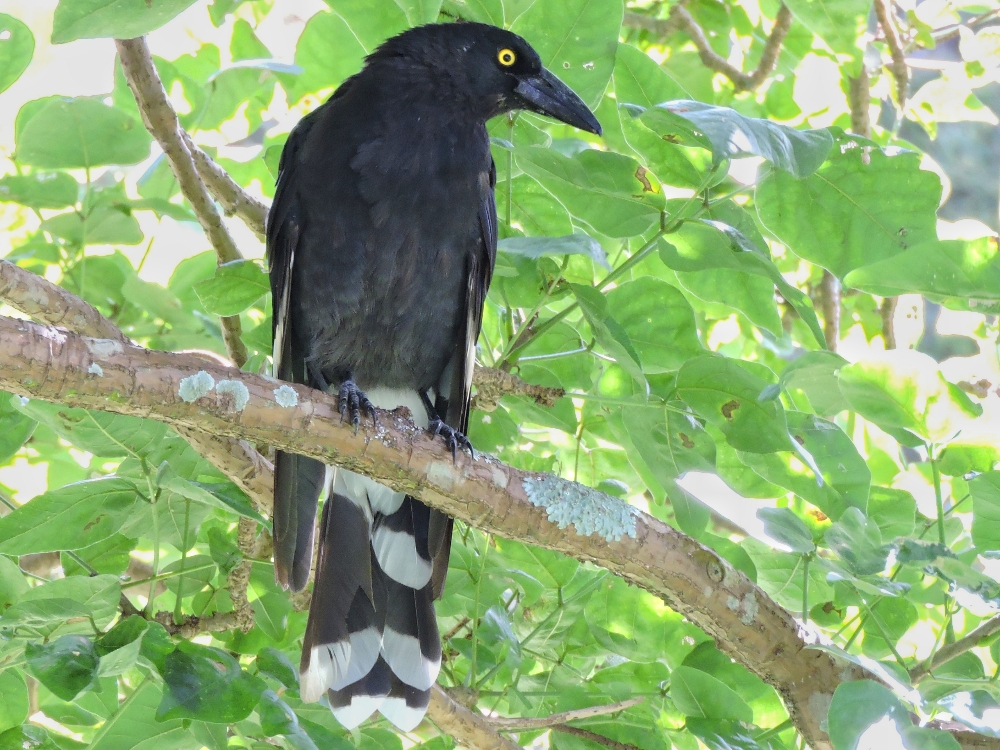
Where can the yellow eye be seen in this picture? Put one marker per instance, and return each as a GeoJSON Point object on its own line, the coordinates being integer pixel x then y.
{"type": "Point", "coordinates": [506, 57]}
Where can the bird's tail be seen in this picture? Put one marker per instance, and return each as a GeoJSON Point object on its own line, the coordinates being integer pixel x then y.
{"type": "Point", "coordinates": [372, 641]}
{"type": "Point", "coordinates": [298, 482]}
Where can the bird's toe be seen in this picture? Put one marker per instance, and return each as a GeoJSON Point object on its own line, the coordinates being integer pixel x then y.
{"type": "Point", "coordinates": [452, 437]}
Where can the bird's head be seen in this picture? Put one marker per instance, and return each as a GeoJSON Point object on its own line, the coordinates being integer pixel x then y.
{"type": "Point", "coordinates": [495, 70]}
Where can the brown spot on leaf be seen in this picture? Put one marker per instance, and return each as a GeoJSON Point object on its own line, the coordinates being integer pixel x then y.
{"type": "Point", "coordinates": [93, 523]}
{"type": "Point", "coordinates": [640, 175]}
{"type": "Point", "coordinates": [729, 407]}
{"type": "Point", "coordinates": [817, 514]}
{"type": "Point", "coordinates": [671, 138]}
{"type": "Point", "coordinates": [685, 440]}
{"type": "Point", "coordinates": [799, 439]}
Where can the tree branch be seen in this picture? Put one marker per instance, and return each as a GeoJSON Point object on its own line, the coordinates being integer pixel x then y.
{"type": "Point", "coordinates": [830, 291]}
{"type": "Point", "coordinates": [950, 650]}
{"type": "Point", "coordinates": [900, 70]}
{"type": "Point", "coordinates": [515, 724]}
{"type": "Point", "coordinates": [681, 19]}
{"type": "Point", "coordinates": [470, 728]}
{"type": "Point", "coordinates": [49, 303]}
{"type": "Point", "coordinates": [42, 362]}
{"type": "Point", "coordinates": [161, 121]}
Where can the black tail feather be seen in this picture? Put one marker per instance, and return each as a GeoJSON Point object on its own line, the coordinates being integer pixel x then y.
{"type": "Point", "coordinates": [298, 482]}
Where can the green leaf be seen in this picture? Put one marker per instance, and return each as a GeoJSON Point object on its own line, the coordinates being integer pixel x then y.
{"type": "Point", "coordinates": [630, 622]}
{"type": "Point", "coordinates": [858, 541]}
{"type": "Point", "coordinates": [17, 45]}
{"type": "Point", "coordinates": [207, 684]}
{"type": "Point", "coordinates": [333, 45]}
{"type": "Point", "coordinates": [639, 80]}
{"type": "Point", "coordinates": [815, 374]}
{"type": "Point", "coordinates": [421, 11]}
{"type": "Point", "coordinates": [607, 330]}
{"type": "Point", "coordinates": [893, 511]}
{"type": "Point", "coordinates": [120, 647]}
{"type": "Point", "coordinates": [234, 288]}
{"type": "Point", "coordinates": [15, 427]}
{"type": "Point", "coordinates": [12, 582]}
{"type": "Point", "coordinates": [721, 735]}
{"type": "Point", "coordinates": [731, 135]}
{"type": "Point", "coordinates": [953, 268]}
{"type": "Point", "coordinates": [851, 212]}
{"type": "Point", "coordinates": [602, 188]}
{"type": "Point", "coordinates": [40, 189]}
{"type": "Point", "coordinates": [226, 496]}
{"type": "Point", "coordinates": [903, 389]}
{"type": "Point", "coordinates": [668, 161]}
{"type": "Point", "coordinates": [275, 664]}
{"type": "Point", "coordinates": [856, 706]}
{"type": "Point", "coordinates": [784, 526]}
{"type": "Point", "coordinates": [576, 39]}
{"type": "Point", "coordinates": [104, 225]}
{"type": "Point", "coordinates": [968, 453]}
{"type": "Point", "coordinates": [69, 518]}
{"type": "Point", "coordinates": [27, 737]}
{"type": "Point", "coordinates": [118, 19]}
{"type": "Point", "coordinates": [780, 574]}
{"type": "Point", "coordinates": [658, 320]}
{"type": "Point", "coordinates": [133, 722]}
{"type": "Point", "coordinates": [836, 22]}
{"type": "Point", "coordinates": [13, 699]}
{"type": "Point", "coordinates": [698, 694]}
{"type": "Point", "coordinates": [710, 268]}
{"type": "Point", "coordinates": [94, 597]}
{"type": "Point", "coordinates": [725, 394]}
{"type": "Point", "coordinates": [846, 477]}
{"type": "Point", "coordinates": [67, 666]}
{"type": "Point", "coordinates": [985, 491]}
{"type": "Point", "coordinates": [78, 133]}
{"type": "Point", "coordinates": [573, 244]}
{"type": "Point", "coordinates": [101, 433]}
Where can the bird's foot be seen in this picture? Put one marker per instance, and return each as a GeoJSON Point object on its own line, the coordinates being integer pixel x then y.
{"type": "Point", "coordinates": [452, 438]}
{"type": "Point", "coordinates": [352, 401]}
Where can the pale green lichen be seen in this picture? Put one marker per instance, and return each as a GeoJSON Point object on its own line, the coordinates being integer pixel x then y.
{"type": "Point", "coordinates": [590, 511]}
{"type": "Point", "coordinates": [96, 369]}
{"type": "Point", "coordinates": [195, 386]}
{"type": "Point", "coordinates": [237, 390]}
{"type": "Point", "coordinates": [286, 396]}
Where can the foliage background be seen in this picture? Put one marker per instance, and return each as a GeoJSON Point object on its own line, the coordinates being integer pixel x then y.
{"type": "Point", "coordinates": [697, 389]}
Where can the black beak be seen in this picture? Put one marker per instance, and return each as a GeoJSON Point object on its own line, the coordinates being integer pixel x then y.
{"type": "Point", "coordinates": [547, 95]}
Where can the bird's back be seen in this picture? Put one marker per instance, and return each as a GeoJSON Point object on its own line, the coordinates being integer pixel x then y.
{"type": "Point", "coordinates": [388, 190]}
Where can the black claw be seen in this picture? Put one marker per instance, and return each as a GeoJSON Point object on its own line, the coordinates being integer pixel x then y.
{"type": "Point", "coordinates": [452, 438]}
{"type": "Point", "coordinates": [353, 402]}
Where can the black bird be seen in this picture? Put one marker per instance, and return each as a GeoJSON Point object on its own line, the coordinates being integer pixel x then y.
{"type": "Point", "coordinates": [381, 243]}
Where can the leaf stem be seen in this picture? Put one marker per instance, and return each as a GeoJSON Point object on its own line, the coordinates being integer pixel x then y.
{"type": "Point", "coordinates": [938, 498]}
{"type": "Point", "coordinates": [178, 615]}
{"type": "Point", "coordinates": [475, 612]}
{"type": "Point", "coordinates": [805, 588]}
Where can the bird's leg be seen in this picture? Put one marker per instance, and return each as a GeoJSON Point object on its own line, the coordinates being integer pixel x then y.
{"type": "Point", "coordinates": [353, 401]}
{"type": "Point", "coordinates": [452, 437]}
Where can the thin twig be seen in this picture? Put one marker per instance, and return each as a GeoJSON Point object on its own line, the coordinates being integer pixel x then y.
{"type": "Point", "coordinates": [860, 100]}
{"type": "Point", "coordinates": [600, 739]}
{"type": "Point", "coordinates": [239, 576]}
{"type": "Point", "coordinates": [888, 312]}
{"type": "Point", "coordinates": [899, 68]}
{"type": "Point", "coordinates": [492, 384]}
{"type": "Point", "coordinates": [681, 19]}
{"type": "Point", "coordinates": [950, 650]}
{"type": "Point", "coordinates": [161, 121]}
{"type": "Point", "coordinates": [235, 201]}
{"type": "Point", "coordinates": [522, 724]}
{"type": "Point", "coordinates": [830, 292]}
